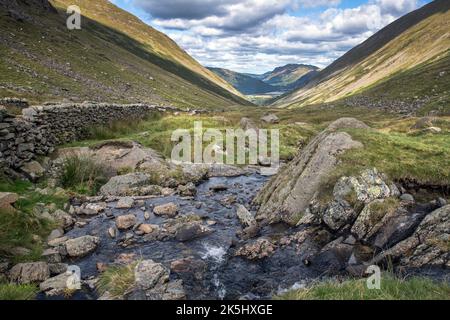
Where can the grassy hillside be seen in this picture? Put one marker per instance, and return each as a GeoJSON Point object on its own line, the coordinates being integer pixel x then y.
{"type": "Point", "coordinates": [115, 57]}
{"type": "Point", "coordinates": [244, 83]}
{"type": "Point", "coordinates": [396, 51]}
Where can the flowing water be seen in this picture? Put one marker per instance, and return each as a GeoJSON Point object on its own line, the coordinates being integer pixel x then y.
{"type": "Point", "coordinates": [225, 276]}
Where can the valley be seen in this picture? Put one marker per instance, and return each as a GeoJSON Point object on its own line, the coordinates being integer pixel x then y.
{"type": "Point", "coordinates": [93, 205]}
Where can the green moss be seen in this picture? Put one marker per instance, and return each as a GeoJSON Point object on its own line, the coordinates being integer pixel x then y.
{"type": "Point", "coordinates": [391, 289]}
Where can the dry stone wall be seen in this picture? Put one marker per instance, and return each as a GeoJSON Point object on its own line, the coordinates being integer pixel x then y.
{"type": "Point", "coordinates": [41, 128]}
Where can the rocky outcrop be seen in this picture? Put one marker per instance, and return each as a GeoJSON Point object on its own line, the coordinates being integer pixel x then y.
{"type": "Point", "coordinates": [289, 193]}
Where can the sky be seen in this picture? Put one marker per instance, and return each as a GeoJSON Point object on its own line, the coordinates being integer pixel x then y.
{"type": "Point", "coordinates": [255, 36]}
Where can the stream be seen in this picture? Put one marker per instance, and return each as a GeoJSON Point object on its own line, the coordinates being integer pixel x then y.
{"type": "Point", "coordinates": [217, 273]}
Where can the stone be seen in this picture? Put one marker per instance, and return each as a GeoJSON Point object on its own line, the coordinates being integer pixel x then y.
{"type": "Point", "coordinates": [244, 216]}
{"type": "Point", "coordinates": [270, 118]}
{"type": "Point", "coordinates": [57, 268]}
{"type": "Point", "coordinates": [64, 219]}
{"type": "Point", "coordinates": [55, 234]}
{"type": "Point", "coordinates": [256, 250]}
{"type": "Point", "coordinates": [169, 210]}
{"type": "Point", "coordinates": [432, 130]}
{"type": "Point", "coordinates": [427, 247]}
{"type": "Point", "coordinates": [338, 214]}
{"type": "Point", "coordinates": [188, 190]}
{"type": "Point", "coordinates": [57, 242]}
{"type": "Point", "coordinates": [82, 246]}
{"type": "Point", "coordinates": [126, 222]}
{"type": "Point", "coordinates": [290, 192]}
{"type": "Point", "coordinates": [33, 170]}
{"type": "Point", "coordinates": [92, 209]}
{"type": "Point", "coordinates": [407, 198]}
{"type": "Point", "coordinates": [191, 231]}
{"type": "Point", "coordinates": [424, 123]}
{"type": "Point", "coordinates": [112, 232]}
{"type": "Point", "coordinates": [27, 273]}
{"type": "Point", "coordinates": [149, 274]}
{"type": "Point", "coordinates": [124, 185]}
{"type": "Point", "coordinates": [189, 266]}
{"type": "Point", "coordinates": [51, 256]}
{"type": "Point", "coordinates": [148, 228]}
{"type": "Point", "coordinates": [247, 124]}
{"type": "Point", "coordinates": [7, 200]}
{"type": "Point", "coordinates": [57, 285]}
{"type": "Point", "coordinates": [147, 215]}
{"type": "Point", "coordinates": [125, 203]}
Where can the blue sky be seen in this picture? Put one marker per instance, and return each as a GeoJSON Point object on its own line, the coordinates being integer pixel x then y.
{"type": "Point", "coordinates": [256, 36]}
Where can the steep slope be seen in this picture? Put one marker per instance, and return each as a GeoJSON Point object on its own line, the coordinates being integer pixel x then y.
{"type": "Point", "coordinates": [244, 83]}
{"type": "Point", "coordinates": [420, 37]}
{"type": "Point", "coordinates": [288, 75]}
{"type": "Point", "coordinates": [114, 57]}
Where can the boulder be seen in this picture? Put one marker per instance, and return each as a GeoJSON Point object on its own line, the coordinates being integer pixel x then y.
{"type": "Point", "coordinates": [82, 246]}
{"type": "Point", "coordinates": [148, 228]}
{"type": "Point", "coordinates": [149, 274]}
{"type": "Point", "coordinates": [7, 200]}
{"type": "Point", "coordinates": [247, 123]}
{"type": "Point", "coordinates": [26, 273]}
{"type": "Point", "coordinates": [64, 219]}
{"type": "Point", "coordinates": [33, 170]}
{"type": "Point", "coordinates": [125, 203]}
{"type": "Point", "coordinates": [270, 118]}
{"type": "Point", "coordinates": [289, 193]}
{"type": "Point", "coordinates": [427, 247]}
{"type": "Point", "coordinates": [244, 216]}
{"type": "Point", "coordinates": [169, 210]}
{"type": "Point", "coordinates": [125, 185]}
{"type": "Point", "coordinates": [191, 231]}
{"type": "Point", "coordinates": [188, 190]}
{"type": "Point", "coordinates": [424, 123]}
{"type": "Point", "coordinates": [126, 222]}
{"type": "Point", "coordinates": [56, 285]}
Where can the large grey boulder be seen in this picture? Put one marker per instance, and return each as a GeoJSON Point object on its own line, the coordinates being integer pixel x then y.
{"type": "Point", "coordinates": [289, 194]}
{"type": "Point", "coordinates": [428, 246]}
{"type": "Point", "coordinates": [26, 273]}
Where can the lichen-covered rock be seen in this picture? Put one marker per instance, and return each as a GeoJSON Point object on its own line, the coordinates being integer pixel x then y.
{"type": "Point", "coordinates": [289, 194]}
{"type": "Point", "coordinates": [64, 219]}
{"type": "Point", "coordinates": [270, 118]}
{"type": "Point", "coordinates": [125, 203]}
{"type": "Point", "coordinates": [82, 246]}
{"type": "Point", "coordinates": [244, 216]}
{"type": "Point", "coordinates": [7, 199]}
{"type": "Point", "coordinates": [125, 184]}
{"type": "Point", "coordinates": [33, 170]}
{"type": "Point", "coordinates": [366, 187]}
{"type": "Point", "coordinates": [338, 214]}
{"type": "Point", "coordinates": [259, 249]}
{"type": "Point", "coordinates": [26, 273]}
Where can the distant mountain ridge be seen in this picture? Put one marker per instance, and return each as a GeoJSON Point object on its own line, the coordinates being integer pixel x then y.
{"type": "Point", "coordinates": [410, 48]}
{"type": "Point", "coordinates": [281, 79]}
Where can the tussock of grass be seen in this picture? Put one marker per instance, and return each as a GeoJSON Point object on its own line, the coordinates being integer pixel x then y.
{"type": "Point", "coordinates": [17, 228]}
{"type": "Point", "coordinates": [117, 280]}
{"type": "Point", "coordinates": [82, 175]}
{"type": "Point", "coordinates": [10, 291]}
{"type": "Point", "coordinates": [391, 289]}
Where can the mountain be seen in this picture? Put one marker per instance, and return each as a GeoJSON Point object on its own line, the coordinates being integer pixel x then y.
{"type": "Point", "coordinates": [288, 75]}
{"type": "Point", "coordinates": [115, 57]}
{"type": "Point", "coordinates": [244, 83]}
{"type": "Point", "coordinates": [411, 46]}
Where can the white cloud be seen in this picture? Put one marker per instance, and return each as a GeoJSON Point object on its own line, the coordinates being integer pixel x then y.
{"type": "Point", "coordinates": [258, 35]}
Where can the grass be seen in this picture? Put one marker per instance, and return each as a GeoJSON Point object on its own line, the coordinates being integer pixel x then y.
{"type": "Point", "coordinates": [117, 280]}
{"type": "Point", "coordinates": [82, 175]}
{"type": "Point", "coordinates": [391, 289]}
{"type": "Point", "coordinates": [10, 291]}
{"type": "Point", "coordinates": [422, 158]}
{"type": "Point", "coordinates": [17, 229]}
